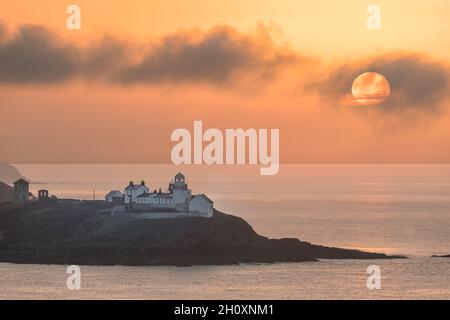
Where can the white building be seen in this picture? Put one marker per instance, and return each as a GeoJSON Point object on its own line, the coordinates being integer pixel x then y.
{"type": "Point", "coordinates": [201, 204]}
{"type": "Point", "coordinates": [155, 200]}
{"type": "Point", "coordinates": [132, 191]}
{"type": "Point", "coordinates": [178, 201]}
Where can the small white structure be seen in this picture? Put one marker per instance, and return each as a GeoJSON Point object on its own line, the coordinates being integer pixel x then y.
{"type": "Point", "coordinates": [177, 202]}
{"type": "Point", "coordinates": [114, 197]}
{"type": "Point", "coordinates": [21, 191]}
{"type": "Point", "coordinates": [180, 192]}
{"type": "Point", "coordinates": [201, 204]}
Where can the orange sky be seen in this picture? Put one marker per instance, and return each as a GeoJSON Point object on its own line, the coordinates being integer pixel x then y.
{"type": "Point", "coordinates": [250, 64]}
{"type": "Point", "coordinates": [322, 27]}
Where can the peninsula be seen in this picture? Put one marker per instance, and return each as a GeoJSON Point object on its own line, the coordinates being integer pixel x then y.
{"type": "Point", "coordinates": [73, 232]}
{"type": "Point", "coordinates": [139, 227]}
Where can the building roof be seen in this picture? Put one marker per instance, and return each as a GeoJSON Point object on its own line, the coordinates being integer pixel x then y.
{"type": "Point", "coordinates": [179, 175]}
{"type": "Point", "coordinates": [114, 194]}
{"type": "Point", "coordinates": [146, 195]}
{"type": "Point", "coordinates": [21, 181]}
{"type": "Point", "coordinates": [156, 195]}
{"type": "Point", "coordinates": [204, 196]}
{"type": "Point", "coordinates": [164, 195]}
{"type": "Point", "coordinates": [135, 186]}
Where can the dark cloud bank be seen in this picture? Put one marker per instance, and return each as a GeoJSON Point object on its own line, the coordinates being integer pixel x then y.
{"type": "Point", "coordinates": [221, 56]}
{"type": "Point", "coordinates": [218, 56]}
{"type": "Point", "coordinates": [32, 56]}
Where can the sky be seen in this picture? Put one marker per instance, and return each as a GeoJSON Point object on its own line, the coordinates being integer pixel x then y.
{"type": "Point", "coordinates": [114, 91]}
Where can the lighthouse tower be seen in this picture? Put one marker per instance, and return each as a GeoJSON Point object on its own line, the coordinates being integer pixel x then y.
{"type": "Point", "coordinates": [181, 194]}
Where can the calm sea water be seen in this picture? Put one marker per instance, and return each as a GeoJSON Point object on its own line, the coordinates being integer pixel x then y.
{"type": "Point", "coordinates": [401, 209]}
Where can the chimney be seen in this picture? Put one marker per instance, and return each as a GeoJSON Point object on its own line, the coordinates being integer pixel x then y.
{"type": "Point", "coordinates": [142, 183]}
{"type": "Point", "coordinates": [131, 183]}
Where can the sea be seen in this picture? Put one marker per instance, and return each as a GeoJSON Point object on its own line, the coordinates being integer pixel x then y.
{"type": "Point", "coordinates": [399, 209]}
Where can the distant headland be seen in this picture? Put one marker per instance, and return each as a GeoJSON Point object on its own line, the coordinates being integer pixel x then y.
{"type": "Point", "coordinates": [9, 173]}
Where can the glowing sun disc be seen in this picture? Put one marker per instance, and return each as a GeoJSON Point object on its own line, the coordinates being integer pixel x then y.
{"type": "Point", "coordinates": [370, 88]}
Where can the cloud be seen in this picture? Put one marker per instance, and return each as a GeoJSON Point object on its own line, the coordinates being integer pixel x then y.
{"type": "Point", "coordinates": [2, 30]}
{"type": "Point", "coordinates": [219, 56]}
{"type": "Point", "coordinates": [417, 82]}
{"type": "Point", "coordinates": [33, 55]}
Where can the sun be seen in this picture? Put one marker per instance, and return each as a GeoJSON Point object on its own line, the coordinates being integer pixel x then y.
{"type": "Point", "coordinates": [370, 88]}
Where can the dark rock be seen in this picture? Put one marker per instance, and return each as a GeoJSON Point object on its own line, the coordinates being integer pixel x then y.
{"type": "Point", "coordinates": [72, 232]}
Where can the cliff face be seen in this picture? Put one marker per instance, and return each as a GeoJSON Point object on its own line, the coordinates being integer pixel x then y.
{"type": "Point", "coordinates": [64, 232]}
{"type": "Point", "coordinates": [6, 193]}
